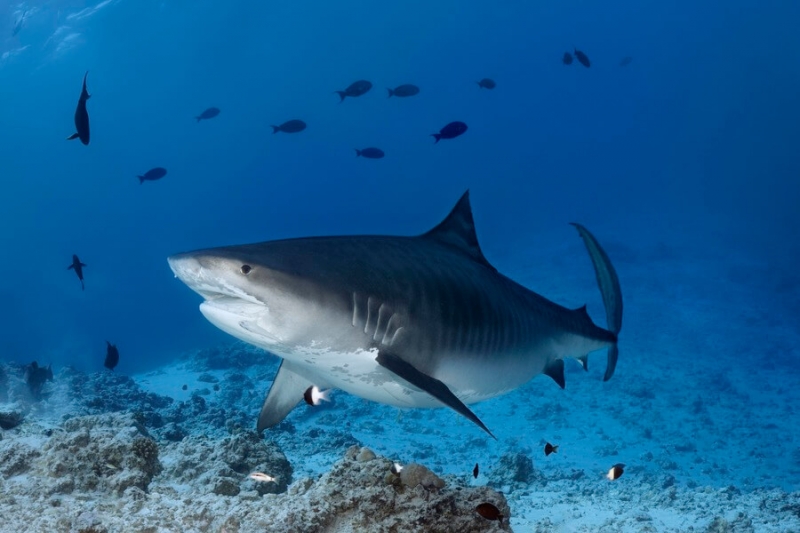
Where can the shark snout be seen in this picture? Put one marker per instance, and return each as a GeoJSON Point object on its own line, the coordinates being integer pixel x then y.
{"type": "Point", "coordinates": [186, 267]}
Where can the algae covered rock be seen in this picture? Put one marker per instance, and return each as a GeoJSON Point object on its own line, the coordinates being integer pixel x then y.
{"type": "Point", "coordinates": [101, 452]}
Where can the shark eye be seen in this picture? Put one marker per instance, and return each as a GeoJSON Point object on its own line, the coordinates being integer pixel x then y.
{"type": "Point", "coordinates": [246, 269]}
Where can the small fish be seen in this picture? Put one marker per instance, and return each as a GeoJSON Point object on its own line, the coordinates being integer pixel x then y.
{"type": "Point", "coordinates": [357, 88]}
{"type": "Point", "coordinates": [625, 61]}
{"type": "Point", "coordinates": [112, 356]}
{"type": "Point", "coordinates": [549, 448]}
{"type": "Point", "coordinates": [487, 83]}
{"type": "Point", "coordinates": [290, 126]}
{"type": "Point", "coordinates": [582, 58]}
{"type": "Point", "coordinates": [82, 116]}
{"type": "Point", "coordinates": [615, 471]}
{"type": "Point", "coordinates": [313, 396]}
{"type": "Point", "coordinates": [403, 90]}
{"type": "Point", "coordinates": [370, 153]}
{"type": "Point", "coordinates": [211, 112]}
{"type": "Point", "coordinates": [396, 469]}
{"type": "Point", "coordinates": [489, 512]}
{"type": "Point", "coordinates": [153, 174]}
{"type": "Point", "coordinates": [567, 59]}
{"type": "Point", "coordinates": [19, 24]}
{"type": "Point", "coordinates": [260, 476]}
{"type": "Point", "coordinates": [475, 471]}
{"type": "Point", "coordinates": [78, 267]}
{"type": "Point", "coordinates": [451, 131]}
{"type": "Point", "coordinates": [36, 376]}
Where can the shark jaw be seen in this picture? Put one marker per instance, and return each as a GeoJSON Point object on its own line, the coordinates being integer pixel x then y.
{"type": "Point", "coordinates": [420, 321]}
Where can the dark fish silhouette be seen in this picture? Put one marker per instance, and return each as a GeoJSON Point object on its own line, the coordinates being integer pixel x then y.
{"type": "Point", "coordinates": [36, 376]}
{"type": "Point", "coordinates": [112, 356]}
{"type": "Point", "coordinates": [487, 83]}
{"type": "Point", "coordinates": [82, 116]}
{"type": "Point", "coordinates": [567, 59]}
{"type": "Point", "coordinates": [152, 175]}
{"type": "Point", "coordinates": [451, 131]}
{"type": "Point", "coordinates": [78, 267]}
{"type": "Point", "coordinates": [489, 512]}
{"type": "Point", "coordinates": [403, 90]}
{"type": "Point", "coordinates": [549, 448]}
{"type": "Point", "coordinates": [475, 471]}
{"type": "Point", "coordinates": [211, 112]}
{"type": "Point", "coordinates": [370, 153]}
{"type": "Point", "coordinates": [582, 58]}
{"type": "Point", "coordinates": [625, 61]}
{"type": "Point", "coordinates": [357, 88]}
{"type": "Point", "coordinates": [19, 24]}
{"type": "Point", "coordinates": [290, 126]}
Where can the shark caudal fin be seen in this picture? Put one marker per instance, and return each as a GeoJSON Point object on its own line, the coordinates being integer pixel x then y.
{"type": "Point", "coordinates": [608, 282]}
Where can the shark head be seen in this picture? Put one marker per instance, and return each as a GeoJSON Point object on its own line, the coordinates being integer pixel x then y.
{"type": "Point", "coordinates": [252, 294]}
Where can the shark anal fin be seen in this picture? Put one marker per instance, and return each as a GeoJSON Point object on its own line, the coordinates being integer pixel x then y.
{"type": "Point", "coordinates": [556, 371]}
{"type": "Point", "coordinates": [286, 392]}
{"type": "Point", "coordinates": [432, 386]}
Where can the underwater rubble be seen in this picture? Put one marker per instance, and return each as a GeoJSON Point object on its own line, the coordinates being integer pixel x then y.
{"type": "Point", "coordinates": [104, 473]}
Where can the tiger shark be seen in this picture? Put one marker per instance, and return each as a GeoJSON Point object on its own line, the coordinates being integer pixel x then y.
{"type": "Point", "coordinates": [419, 321]}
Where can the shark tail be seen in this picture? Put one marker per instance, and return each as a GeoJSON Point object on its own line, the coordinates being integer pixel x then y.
{"type": "Point", "coordinates": [608, 282]}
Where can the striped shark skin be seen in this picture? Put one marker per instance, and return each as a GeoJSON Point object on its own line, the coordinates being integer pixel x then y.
{"type": "Point", "coordinates": [418, 321]}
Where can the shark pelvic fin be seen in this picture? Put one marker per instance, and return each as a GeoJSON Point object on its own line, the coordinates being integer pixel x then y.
{"type": "Point", "coordinates": [610, 290]}
{"type": "Point", "coordinates": [556, 371]}
{"type": "Point", "coordinates": [286, 392]}
{"type": "Point", "coordinates": [458, 231]}
{"type": "Point", "coordinates": [432, 386]}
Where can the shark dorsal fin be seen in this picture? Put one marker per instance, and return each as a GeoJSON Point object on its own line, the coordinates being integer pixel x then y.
{"type": "Point", "coordinates": [458, 231]}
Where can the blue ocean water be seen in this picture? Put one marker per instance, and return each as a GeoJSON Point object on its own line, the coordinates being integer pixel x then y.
{"type": "Point", "coordinates": [683, 163]}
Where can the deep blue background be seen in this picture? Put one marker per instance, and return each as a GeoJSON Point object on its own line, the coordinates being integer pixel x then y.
{"type": "Point", "coordinates": [695, 141]}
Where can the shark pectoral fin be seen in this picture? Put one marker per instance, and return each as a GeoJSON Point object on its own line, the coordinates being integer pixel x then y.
{"type": "Point", "coordinates": [286, 392]}
{"type": "Point", "coordinates": [556, 371]}
{"type": "Point", "coordinates": [610, 290]}
{"type": "Point", "coordinates": [432, 386]}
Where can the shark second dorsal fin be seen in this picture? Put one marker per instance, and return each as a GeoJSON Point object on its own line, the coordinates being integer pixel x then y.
{"type": "Point", "coordinates": [457, 230]}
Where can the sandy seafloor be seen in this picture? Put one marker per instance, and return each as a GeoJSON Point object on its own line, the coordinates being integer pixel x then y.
{"type": "Point", "coordinates": [701, 410]}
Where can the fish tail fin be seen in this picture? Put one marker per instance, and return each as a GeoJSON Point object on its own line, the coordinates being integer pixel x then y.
{"type": "Point", "coordinates": [141, 179]}
{"type": "Point", "coordinates": [72, 137]}
{"type": "Point", "coordinates": [436, 136]}
{"type": "Point", "coordinates": [358, 152]}
{"type": "Point", "coordinates": [83, 287]}
{"type": "Point", "coordinates": [341, 95]}
{"type": "Point", "coordinates": [610, 290]}
{"type": "Point", "coordinates": [275, 129]}
{"type": "Point", "coordinates": [391, 92]}
{"type": "Point", "coordinates": [198, 118]}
